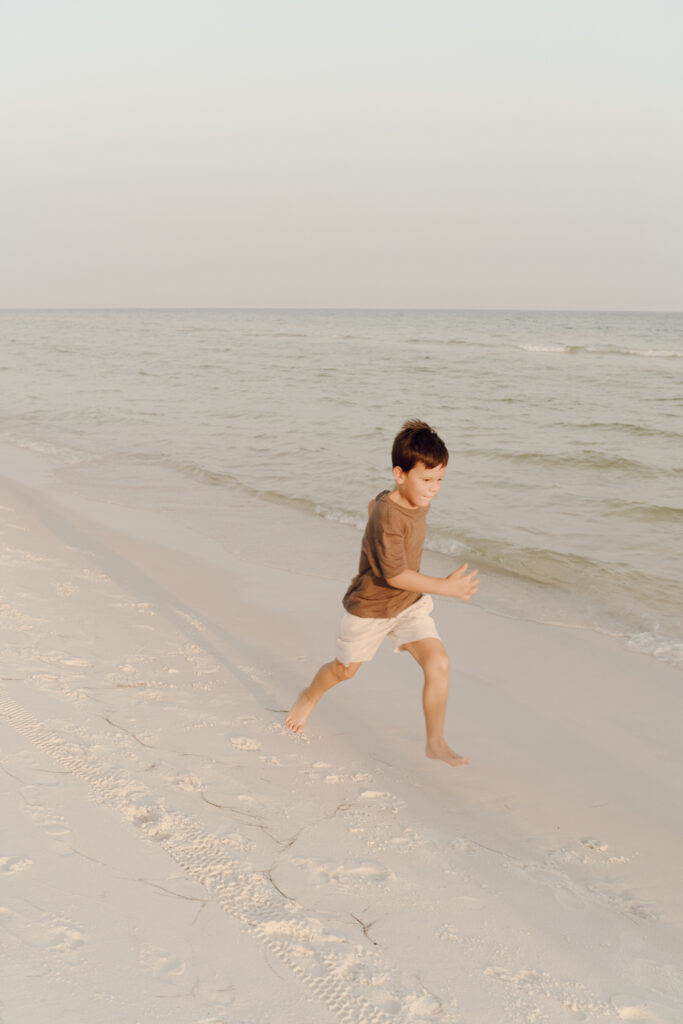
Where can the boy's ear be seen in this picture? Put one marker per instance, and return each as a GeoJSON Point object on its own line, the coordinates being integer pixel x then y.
{"type": "Point", "coordinates": [399, 475]}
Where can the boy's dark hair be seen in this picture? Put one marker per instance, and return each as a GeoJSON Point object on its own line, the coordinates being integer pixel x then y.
{"type": "Point", "coordinates": [417, 442]}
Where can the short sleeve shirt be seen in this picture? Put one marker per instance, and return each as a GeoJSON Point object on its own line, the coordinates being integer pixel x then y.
{"type": "Point", "coordinates": [393, 541]}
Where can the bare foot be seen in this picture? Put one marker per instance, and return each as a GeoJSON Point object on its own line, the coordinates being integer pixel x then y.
{"type": "Point", "coordinates": [298, 716]}
{"type": "Point", "coordinates": [439, 750]}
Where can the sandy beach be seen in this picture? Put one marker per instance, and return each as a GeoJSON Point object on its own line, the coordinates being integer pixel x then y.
{"type": "Point", "coordinates": [171, 853]}
{"type": "Point", "coordinates": [244, 245]}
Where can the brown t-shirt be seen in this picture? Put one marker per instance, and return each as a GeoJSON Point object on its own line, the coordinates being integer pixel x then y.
{"type": "Point", "coordinates": [392, 542]}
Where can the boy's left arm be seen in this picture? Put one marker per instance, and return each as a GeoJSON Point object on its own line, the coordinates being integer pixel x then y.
{"type": "Point", "coordinates": [459, 583]}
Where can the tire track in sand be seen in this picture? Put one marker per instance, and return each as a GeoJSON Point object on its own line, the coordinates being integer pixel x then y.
{"type": "Point", "coordinates": [328, 965]}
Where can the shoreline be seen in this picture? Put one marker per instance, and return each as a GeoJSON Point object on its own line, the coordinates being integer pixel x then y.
{"type": "Point", "coordinates": [330, 548]}
{"type": "Point", "coordinates": [543, 880]}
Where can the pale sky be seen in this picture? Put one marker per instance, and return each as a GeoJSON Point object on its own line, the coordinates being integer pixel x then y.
{"type": "Point", "coordinates": [362, 153]}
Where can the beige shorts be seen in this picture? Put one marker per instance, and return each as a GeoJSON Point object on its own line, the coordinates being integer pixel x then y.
{"type": "Point", "coordinates": [359, 639]}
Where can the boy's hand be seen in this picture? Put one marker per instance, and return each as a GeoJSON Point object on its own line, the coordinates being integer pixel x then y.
{"type": "Point", "coordinates": [462, 584]}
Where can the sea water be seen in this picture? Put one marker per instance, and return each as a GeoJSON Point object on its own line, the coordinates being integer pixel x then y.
{"type": "Point", "coordinates": [565, 482]}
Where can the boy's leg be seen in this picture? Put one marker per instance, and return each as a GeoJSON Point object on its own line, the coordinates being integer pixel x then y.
{"type": "Point", "coordinates": [431, 656]}
{"type": "Point", "coordinates": [325, 678]}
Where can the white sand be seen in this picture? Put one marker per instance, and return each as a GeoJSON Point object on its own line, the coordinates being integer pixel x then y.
{"type": "Point", "coordinates": [170, 853]}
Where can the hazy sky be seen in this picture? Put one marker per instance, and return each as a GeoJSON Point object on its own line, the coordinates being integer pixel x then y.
{"type": "Point", "coordinates": [411, 153]}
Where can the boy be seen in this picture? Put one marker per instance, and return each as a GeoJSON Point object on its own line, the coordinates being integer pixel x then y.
{"type": "Point", "coordinates": [390, 596]}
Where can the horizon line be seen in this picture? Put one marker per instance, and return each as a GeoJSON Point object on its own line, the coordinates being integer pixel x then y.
{"type": "Point", "coordinates": [332, 309]}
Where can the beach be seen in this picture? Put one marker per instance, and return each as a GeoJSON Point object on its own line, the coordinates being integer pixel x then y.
{"type": "Point", "coordinates": [245, 246]}
{"type": "Point", "coordinates": [183, 496]}
{"type": "Point", "coordinates": [172, 853]}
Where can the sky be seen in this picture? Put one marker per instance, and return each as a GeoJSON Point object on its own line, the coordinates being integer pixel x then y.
{"type": "Point", "coordinates": [365, 153]}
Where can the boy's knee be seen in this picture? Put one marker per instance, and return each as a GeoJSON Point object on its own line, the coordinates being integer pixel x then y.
{"type": "Point", "coordinates": [343, 671]}
{"type": "Point", "coordinates": [439, 663]}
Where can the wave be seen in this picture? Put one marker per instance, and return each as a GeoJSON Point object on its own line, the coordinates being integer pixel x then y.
{"type": "Point", "coordinates": [625, 595]}
{"type": "Point", "coordinates": [649, 513]}
{"type": "Point", "coordinates": [600, 350]}
{"type": "Point", "coordinates": [559, 349]}
{"type": "Point", "coordinates": [537, 565]}
{"type": "Point", "coordinates": [653, 353]}
{"type": "Point", "coordinates": [630, 428]}
{"type": "Point", "coordinates": [354, 519]}
{"type": "Point", "coordinates": [195, 471]}
{"type": "Point", "coordinates": [547, 566]}
{"type": "Point", "coordinates": [586, 460]}
{"type": "Point", "coordinates": [567, 572]}
{"type": "Point", "coordinates": [625, 601]}
{"type": "Point", "coordinates": [436, 341]}
{"type": "Point", "coordinates": [591, 460]}
{"type": "Point", "coordinates": [534, 582]}
{"type": "Point", "coordinates": [659, 647]}
{"type": "Point", "coordinates": [214, 478]}
{"type": "Point", "coordinates": [63, 454]}
{"type": "Point", "coordinates": [271, 334]}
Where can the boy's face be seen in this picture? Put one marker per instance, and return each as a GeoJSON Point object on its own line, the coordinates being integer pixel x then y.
{"type": "Point", "coordinates": [419, 485]}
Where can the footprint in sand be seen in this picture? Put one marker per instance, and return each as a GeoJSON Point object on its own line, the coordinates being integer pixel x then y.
{"type": "Point", "coordinates": [594, 844]}
{"type": "Point", "coordinates": [187, 783]}
{"type": "Point", "coordinates": [462, 846]}
{"type": "Point", "coordinates": [161, 963]}
{"type": "Point", "coordinates": [52, 823]}
{"type": "Point", "coordinates": [349, 874]}
{"type": "Point", "coordinates": [65, 937]}
{"type": "Point", "coordinates": [68, 589]}
{"type": "Point", "coordinates": [8, 865]}
{"type": "Point", "coordinates": [378, 800]}
{"type": "Point", "coordinates": [93, 577]}
{"type": "Point", "coordinates": [628, 1011]}
{"type": "Point", "coordinates": [408, 841]}
{"type": "Point", "coordinates": [41, 930]}
{"type": "Point", "coordinates": [245, 743]}
{"type": "Point", "coordinates": [155, 823]}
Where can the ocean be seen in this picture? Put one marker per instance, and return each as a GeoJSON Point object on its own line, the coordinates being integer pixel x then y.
{"type": "Point", "coordinates": [270, 430]}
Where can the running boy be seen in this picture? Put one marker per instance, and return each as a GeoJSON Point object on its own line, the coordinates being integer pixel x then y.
{"type": "Point", "coordinates": [390, 596]}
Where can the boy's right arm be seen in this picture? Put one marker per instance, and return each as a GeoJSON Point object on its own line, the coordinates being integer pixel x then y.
{"type": "Point", "coordinates": [460, 583]}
